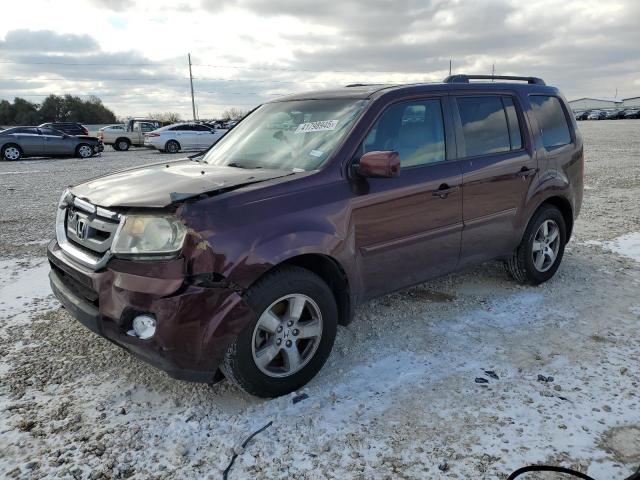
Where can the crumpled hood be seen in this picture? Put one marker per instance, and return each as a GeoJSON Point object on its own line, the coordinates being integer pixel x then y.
{"type": "Point", "coordinates": [162, 184]}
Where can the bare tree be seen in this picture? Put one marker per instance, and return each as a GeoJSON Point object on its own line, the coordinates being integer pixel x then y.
{"type": "Point", "coordinates": [166, 117]}
{"type": "Point", "coordinates": [234, 114]}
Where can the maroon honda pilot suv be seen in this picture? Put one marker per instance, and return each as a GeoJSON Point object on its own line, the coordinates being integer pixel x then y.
{"type": "Point", "coordinates": [241, 261]}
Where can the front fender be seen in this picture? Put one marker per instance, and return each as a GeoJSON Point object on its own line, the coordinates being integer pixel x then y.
{"type": "Point", "coordinates": [278, 249]}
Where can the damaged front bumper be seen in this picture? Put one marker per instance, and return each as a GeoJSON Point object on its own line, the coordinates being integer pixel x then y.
{"type": "Point", "coordinates": [195, 323]}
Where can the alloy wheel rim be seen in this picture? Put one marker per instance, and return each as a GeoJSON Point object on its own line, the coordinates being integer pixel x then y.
{"type": "Point", "coordinates": [122, 145]}
{"type": "Point", "coordinates": [287, 335]}
{"type": "Point", "coordinates": [546, 244]}
{"type": "Point", "coordinates": [85, 151]}
{"type": "Point", "coordinates": [12, 153]}
{"type": "Point", "coordinates": [173, 148]}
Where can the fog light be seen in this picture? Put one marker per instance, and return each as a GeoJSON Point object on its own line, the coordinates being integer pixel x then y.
{"type": "Point", "coordinates": [144, 326]}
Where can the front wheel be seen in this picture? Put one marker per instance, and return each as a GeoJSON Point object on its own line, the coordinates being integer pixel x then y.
{"type": "Point", "coordinates": [291, 337]}
{"type": "Point", "coordinates": [84, 151]}
{"type": "Point", "coordinates": [538, 256]}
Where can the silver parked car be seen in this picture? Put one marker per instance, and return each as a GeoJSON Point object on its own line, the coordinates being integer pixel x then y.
{"type": "Point", "coordinates": [18, 142]}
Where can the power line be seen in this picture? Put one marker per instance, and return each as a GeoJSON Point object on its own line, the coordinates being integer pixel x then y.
{"type": "Point", "coordinates": [91, 64]}
{"type": "Point", "coordinates": [209, 65]}
{"type": "Point", "coordinates": [284, 69]}
{"type": "Point", "coordinates": [89, 79]}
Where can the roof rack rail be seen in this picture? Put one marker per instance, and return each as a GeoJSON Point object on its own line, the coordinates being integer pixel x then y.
{"type": "Point", "coordinates": [466, 78]}
{"type": "Point", "coordinates": [360, 85]}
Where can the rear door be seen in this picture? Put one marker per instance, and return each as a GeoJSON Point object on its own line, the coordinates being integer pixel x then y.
{"type": "Point", "coordinates": [29, 140]}
{"type": "Point", "coordinates": [407, 228]}
{"type": "Point", "coordinates": [498, 167]}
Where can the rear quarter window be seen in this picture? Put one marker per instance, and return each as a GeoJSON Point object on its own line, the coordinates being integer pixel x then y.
{"type": "Point", "coordinates": [551, 119]}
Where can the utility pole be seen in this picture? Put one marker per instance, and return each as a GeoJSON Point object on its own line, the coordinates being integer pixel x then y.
{"type": "Point", "coordinates": [193, 102]}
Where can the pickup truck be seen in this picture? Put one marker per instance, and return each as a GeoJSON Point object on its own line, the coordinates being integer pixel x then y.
{"type": "Point", "coordinates": [132, 135]}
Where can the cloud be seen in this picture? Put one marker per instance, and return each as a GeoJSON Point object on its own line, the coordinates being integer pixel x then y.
{"type": "Point", "coordinates": [569, 41]}
{"type": "Point", "coordinates": [249, 51]}
{"type": "Point", "coordinates": [115, 5]}
{"type": "Point", "coordinates": [46, 41]}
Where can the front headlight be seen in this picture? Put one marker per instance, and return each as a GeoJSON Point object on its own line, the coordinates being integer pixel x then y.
{"type": "Point", "coordinates": [152, 236]}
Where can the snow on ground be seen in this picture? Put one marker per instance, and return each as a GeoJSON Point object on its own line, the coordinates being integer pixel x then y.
{"type": "Point", "coordinates": [628, 245]}
{"type": "Point", "coordinates": [24, 289]}
{"type": "Point", "coordinates": [398, 397]}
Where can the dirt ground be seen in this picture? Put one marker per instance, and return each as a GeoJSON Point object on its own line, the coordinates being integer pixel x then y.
{"type": "Point", "coordinates": [398, 397]}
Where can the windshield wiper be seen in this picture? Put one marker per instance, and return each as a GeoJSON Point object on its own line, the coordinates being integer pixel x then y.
{"type": "Point", "coordinates": [238, 165]}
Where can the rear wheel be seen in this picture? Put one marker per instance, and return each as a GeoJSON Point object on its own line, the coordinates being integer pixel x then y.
{"type": "Point", "coordinates": [172, 147]}
{"type": "Point", "coordinates": [11, 152]}
{"type": "Point", "coordinates": [538, 256]}
{"type": "Point", "coordinates": [291, 337]}
{"type": "Point", "coordinates": [84, 151]}
{"type": "Point", "coordinates": [122, 144]}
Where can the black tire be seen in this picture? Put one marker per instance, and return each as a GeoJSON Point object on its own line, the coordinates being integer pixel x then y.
{"type": "Point", "coordinates": [172, 146]}
{"type": "Point", "coordinates": [122, 144]}
{"type": "Point", "coordinates": [82, 152]}
{"type": "Point", "coordinates": [521, 266]}
{"type": "Point", "coordinates": [239, 366]}
{"type": "Point", "coordinates": [12, 150]}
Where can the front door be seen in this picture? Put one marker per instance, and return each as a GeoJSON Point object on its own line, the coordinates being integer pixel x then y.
{"type": "Point", "coordinates": [407, 228]}
{"type": "Point", "coordinates": [55, 143]}
{"type": "Point", "coordinates": [498, 167]}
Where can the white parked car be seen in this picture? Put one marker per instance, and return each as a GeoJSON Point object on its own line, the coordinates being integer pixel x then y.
{"type": "Point", "coordinates": [182, 136]}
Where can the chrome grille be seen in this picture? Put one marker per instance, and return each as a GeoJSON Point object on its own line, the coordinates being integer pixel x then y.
{"type": "Point", "coordinates": [85, 232]}
{"type": "Point", "coordinates": [89, 230]}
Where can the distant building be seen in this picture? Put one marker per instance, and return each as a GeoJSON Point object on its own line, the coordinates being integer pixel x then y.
{"type": "Point", "coordinates": [591, 103]}
{"type": "Point", "coordinates": [631, 102]}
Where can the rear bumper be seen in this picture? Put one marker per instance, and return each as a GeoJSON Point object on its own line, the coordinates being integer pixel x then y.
{"type": "Point", "coordinates": [195, 325]}
{"type": "Point", "coordinates": [155, 143]}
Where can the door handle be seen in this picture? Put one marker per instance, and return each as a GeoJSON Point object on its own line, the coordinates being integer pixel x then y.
{"type": "Point", "coordinates": [527, 172]}
{"type": "Point", "coordinates": [444, 191]}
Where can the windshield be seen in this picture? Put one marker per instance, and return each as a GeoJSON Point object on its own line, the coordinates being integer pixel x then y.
{"type": "Point", "coordinates": [294, 135]}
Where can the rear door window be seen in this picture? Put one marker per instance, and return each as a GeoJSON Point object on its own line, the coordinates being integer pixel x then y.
{"type": "Point", "coordinates": [484, 125]}
{"type": "Point", "coordinates": [551, 120]}
{"type": "Point", "coordinates": [27, 131]}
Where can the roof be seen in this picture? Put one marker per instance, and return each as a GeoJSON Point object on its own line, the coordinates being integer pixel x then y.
{"type": "Point", "coordinates": [370, 91]}
{"type": "Point", "coordinates": [630, 98]}
{"type": "Point", "coordinates": [597, 99]}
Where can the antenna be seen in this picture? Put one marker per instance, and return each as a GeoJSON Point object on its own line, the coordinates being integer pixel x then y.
{"type": "Point", "coordinates": [493, 70]}
{"type": "Point", "coordinates": [193, 102]}
{"type": "Point", "coordinates": [449, 67]}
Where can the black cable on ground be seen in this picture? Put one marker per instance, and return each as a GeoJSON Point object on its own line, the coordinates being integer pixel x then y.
{"type": "Point", "coordinates": [545, 468]}
{"type": "Point", "coordinates": [225, 474]}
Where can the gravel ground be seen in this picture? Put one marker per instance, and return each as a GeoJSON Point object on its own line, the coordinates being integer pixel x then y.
{"type": "Point", "coordinates": [399, 396]}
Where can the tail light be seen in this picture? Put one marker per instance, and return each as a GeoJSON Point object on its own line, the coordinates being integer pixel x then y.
{"type": "Point", "coordinates": [151, 134]}
{"type": "Point", "coordinates": [100, 135]}
{"type": "Point", "coordinates": [84, 131]}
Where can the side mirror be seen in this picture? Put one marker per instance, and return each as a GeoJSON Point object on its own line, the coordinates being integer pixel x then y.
{"type": "Point", "coordinates": [382, 164]}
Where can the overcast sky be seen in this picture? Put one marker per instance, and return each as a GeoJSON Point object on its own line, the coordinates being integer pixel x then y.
{"type": "Point", "coordinates": [133, 54]}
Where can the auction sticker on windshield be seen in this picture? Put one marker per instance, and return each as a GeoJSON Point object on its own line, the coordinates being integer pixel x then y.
{"type": "Point", "coordinates": [319, 126]}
